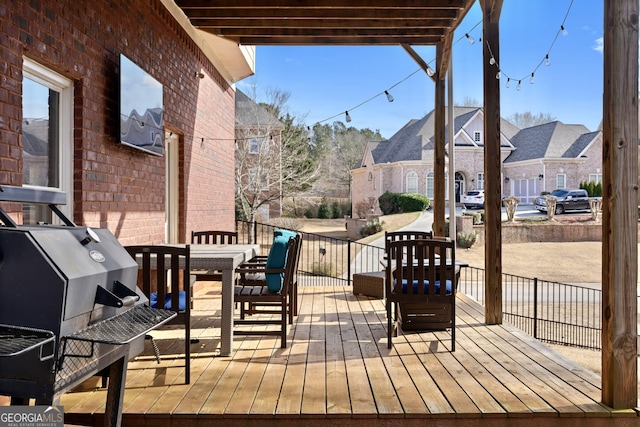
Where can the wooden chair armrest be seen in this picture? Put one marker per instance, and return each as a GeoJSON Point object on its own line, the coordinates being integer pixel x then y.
{"type": "Point", "coordinates": [259, 269]}
{"type": "Point", "coordinates": [257, 260]}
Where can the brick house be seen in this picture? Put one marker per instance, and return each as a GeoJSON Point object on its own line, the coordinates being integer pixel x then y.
{"type": "Point", "coordinates": [404, 162]}
{"type": "Point", "coordinates": [551, 156]}
{"type": "Point", "coordinates": [61, 73]}
{"type": "Point", "coordinates": [258, 157]}
{"type": "Point", "coordinates": [536, 159]}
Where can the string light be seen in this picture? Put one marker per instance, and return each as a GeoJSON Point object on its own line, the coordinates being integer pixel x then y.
{"type": "Point", "coordinates": [492, 62]}
{"type": "Point", "coordinates": [470, 39]}
{"type": "Point", "coordinates": [545, 60]}
{"type": "Point", "coordinates": [389, 96]}
{"type": "Point", "coordinates": [430, 71]}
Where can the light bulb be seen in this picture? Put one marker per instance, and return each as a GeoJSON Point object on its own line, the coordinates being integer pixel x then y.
{"type": "Point", "coordinates": [389, 96]}
{"type": "Point", "coordinates": [430, 71]}
{"type": "Point", "coordinates": [518, 85]}
{"type": "Point", "coordinates": [532, 80]}
{"type": "Point", "coordinates": [508, 83]}
{"type": "Point", "coordinates": [347, 116]}
{"type": "Point", "coordinates": [564, 30]}
{"type": "Point", "coordinates": [498, 75]}
{"type": "Point", "coordinates": [470, 39]}
{"type": "Point", "coordinates": [492, 61]}
{"type": "Point", "coordinates": [547, 61]}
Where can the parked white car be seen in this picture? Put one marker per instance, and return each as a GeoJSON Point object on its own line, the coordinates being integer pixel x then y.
{"type": "Point", "coordinates": [474, 199]}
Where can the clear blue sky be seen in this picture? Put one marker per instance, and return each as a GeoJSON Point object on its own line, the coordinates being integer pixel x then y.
{"type": "Point", "coordinates": [324, 81]}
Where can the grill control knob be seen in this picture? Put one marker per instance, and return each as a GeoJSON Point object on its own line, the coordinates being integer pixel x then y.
{"type": "Point", "coordinates": [92, 236]}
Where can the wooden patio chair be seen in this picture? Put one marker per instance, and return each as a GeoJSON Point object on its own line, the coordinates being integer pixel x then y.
{"type": "Point", "coordinates": [392, 236]}
{"type": "Point", "coordinates": [165, 279]}
{"type": "Point", "coordinates": [273, 291]}
{"type": "Point", "coordinates": [421, 278]}
{"type": "Point", "coordinates": [212, 237]}
{"type": "Point", "coordinates": [248, 275]}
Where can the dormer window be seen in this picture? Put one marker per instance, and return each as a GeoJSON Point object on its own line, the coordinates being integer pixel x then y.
{"type": "Point", "coordinates": [476, 136]}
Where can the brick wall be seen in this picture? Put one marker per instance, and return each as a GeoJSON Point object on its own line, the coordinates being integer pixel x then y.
{"type": "Point", "coordinates": [115, 186]}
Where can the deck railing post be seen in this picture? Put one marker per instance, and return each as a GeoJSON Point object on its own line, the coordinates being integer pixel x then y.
{"type": "Point", "coordinates": [535, 307]}
{"type": "Point", "coordinates": [349, 262]}
{"type": "Point", "coordinates": [255, 231]}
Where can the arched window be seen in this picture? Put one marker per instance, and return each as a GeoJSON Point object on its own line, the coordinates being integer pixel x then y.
{"type": "Point", "coordinates": [430, 185]}
{"type": "Point", "coordinates": [412, 182]}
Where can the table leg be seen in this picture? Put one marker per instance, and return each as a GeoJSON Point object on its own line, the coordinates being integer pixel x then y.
{"type": "Point", "coordinates": [226, 328]}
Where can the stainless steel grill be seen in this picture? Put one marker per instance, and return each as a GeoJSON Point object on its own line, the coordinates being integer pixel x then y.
{"type": "Point", "coordinates": [69, 306]}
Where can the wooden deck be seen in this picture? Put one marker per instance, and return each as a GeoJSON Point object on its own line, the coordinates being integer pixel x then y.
{"type": "Point", "coordinates": [337, 371]}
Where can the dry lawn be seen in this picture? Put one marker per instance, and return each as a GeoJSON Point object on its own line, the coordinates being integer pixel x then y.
{"type": "Point", "coordinates": [568, 262]}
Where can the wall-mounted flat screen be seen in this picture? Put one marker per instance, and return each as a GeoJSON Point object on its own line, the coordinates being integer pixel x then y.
{"type": "Point", "coordinates": [141, 124]}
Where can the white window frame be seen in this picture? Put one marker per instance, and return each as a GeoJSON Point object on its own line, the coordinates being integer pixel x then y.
{"type": "Point", "coordinates": [480, 181]}
{"type": "Point", "coordinates": [254, 146]}
{"type": "Point", "coordinates": [477, 136]}
{"type": "Point", "coordinates": [561, 180]}
{"type": "Point", "coordinates": [412, 182]}
{"type": "Point", "coordinates": [46, 77]}
{"type": "Point", "coordinates": [595, 177]}
{"type": "Point", "coordinates": [430, 189]}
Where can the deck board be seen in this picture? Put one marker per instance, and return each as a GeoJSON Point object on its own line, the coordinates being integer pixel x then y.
{"type": "Point", "coordinates": [314, 393]}
{"type": "Point", "coordinates": [539, 378]}
{"type": "Point", "coordinates": [337, 369]}
{"type": "Point", "coordinates": [338, 400]}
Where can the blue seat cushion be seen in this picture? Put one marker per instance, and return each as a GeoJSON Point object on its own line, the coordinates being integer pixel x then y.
{"type": "Point", "coordinates": [426, 286]}
{"type": "Point", "coordinates": [182, 301]}
{"type": "Point", "coordinates": [277, 258]}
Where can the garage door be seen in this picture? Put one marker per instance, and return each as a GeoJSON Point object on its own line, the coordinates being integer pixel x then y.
{"type": "Point", "coordinates": [526, 190]}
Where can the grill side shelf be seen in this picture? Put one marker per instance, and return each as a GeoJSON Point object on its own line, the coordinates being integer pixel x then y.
{"type": "Point", "coordinates": [117, 330]}
{"type": "Point", "coordinates": [17, 340]}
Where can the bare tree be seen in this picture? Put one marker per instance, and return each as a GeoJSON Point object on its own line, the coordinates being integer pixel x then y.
{"type": "Point", "coordinates": [469, 102]}
{"type": "Point", "coordinates": [341, 148]}
{"type": "Point", "coordinates": [528, 119]}
{"type": "Point", "coordinates": [271, 153]}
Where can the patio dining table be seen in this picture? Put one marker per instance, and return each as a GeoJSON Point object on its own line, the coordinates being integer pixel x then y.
{"type": "Point", "coordinates": [225, 258]}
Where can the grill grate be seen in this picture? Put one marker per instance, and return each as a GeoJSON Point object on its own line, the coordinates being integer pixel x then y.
{"type": "Point", "coordinates": [81, 352]}
{"type": "Point", "coordinates": [124, 328]}
{"type": "Point", "coordinates": [15, 340]}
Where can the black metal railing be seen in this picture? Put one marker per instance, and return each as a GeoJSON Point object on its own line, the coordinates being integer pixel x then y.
{"type": "Point", "coordinates": [552, 312]}
{"type": "Point", "coordinates": [324, 260]}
